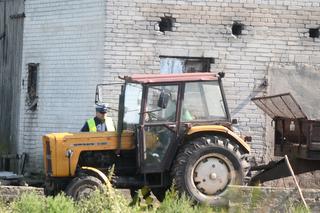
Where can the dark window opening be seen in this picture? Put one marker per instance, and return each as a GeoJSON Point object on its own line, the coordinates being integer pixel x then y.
{"type": "Point", "coordinates": [184, 64]}
{"type": "Point", "coordinates": [314, 33]}
{"type": "Point", "coordinates": [166, 23]}
{"type": "Point", "coordinates": [237, 28]}
{"type": "Point", "coordinates": [32, 97]}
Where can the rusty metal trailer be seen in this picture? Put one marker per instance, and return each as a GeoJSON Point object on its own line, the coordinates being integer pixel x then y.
{"type": "Point", "coordinates": [294, 135]}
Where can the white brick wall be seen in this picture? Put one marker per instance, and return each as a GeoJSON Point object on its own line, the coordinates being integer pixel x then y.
{"type": "Point", "coordinates": [275, 33]}
{"type": "Point", "coordinates": [81, 43]}
{"type": "Point", "coordinates": [66, 38]}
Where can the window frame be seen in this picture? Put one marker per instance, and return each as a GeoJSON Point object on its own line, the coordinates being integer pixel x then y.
{"type": "Point", "coordinates": [206, 62]}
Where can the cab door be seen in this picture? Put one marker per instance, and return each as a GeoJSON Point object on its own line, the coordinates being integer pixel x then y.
{"type": "Point", "coordinates": [159, 127]}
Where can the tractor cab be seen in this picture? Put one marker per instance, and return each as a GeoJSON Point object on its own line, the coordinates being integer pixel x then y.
{"type": "Point", "coordinates": [160, 109]}
{"type": "Point", "coordinates": [172, 126]}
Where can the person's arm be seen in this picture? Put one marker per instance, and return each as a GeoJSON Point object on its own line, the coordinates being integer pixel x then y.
{"type": "Point", "coordinates": [85, 127]}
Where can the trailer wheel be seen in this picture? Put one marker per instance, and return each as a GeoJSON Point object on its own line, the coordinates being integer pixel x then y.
{"type": "Point", "coordinates": [206, 166]}
{"type": "Point", "coordinates": [81, 187]}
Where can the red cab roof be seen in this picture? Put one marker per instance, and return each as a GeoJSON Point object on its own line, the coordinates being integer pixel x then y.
{"type": "Point", "coordinates": [162, 78]}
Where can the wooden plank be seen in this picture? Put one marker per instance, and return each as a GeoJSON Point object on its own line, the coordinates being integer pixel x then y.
{"type": "Point", "coordinates": [2, 42]}
{"type": "Point", "coordinates": [11, 75]}
{"type": "Point", "coordinates": [295, 181]}
{"type": "Point", "coordinates": [17, 7]}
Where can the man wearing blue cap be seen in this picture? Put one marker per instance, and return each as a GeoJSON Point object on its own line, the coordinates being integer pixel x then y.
{"type": "Point", "coordinates": [100, 122]}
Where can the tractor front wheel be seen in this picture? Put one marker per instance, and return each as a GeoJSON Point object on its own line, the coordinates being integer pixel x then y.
{"type": "Point", "coordinates": [81, 187]}
{"type": "Point", "coordinates": [205, 167]}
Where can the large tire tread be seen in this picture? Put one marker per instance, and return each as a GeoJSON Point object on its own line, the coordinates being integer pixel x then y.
{"type": "Point", "coordinates": [81, 181]}
{"type": "Point", "coordinates": [193, 146]}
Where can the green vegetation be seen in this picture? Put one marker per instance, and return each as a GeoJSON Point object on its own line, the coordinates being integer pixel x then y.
{"type": "Point", "coordinates": [110, 200]}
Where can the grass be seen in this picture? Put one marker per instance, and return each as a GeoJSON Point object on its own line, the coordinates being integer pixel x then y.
{"type": "Point", "coordinates": [110, 200]}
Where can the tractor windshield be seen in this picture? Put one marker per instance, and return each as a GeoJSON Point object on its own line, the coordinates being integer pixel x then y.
{"type": "Point", "coordinates": [203, 101]}
{"type": "Point", "coordinates": [132, 105]}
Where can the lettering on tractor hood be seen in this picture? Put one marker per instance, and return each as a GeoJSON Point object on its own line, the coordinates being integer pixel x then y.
{"type": "Point", "coordinates": [90, 144]}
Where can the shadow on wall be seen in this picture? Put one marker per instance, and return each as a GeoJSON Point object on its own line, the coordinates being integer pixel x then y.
{"type": "Point", "coordinates": [247, 100]}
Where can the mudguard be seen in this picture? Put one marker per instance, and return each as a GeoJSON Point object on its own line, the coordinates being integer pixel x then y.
{"type": "Point", "coordinates": [99, 174]}
{"type": "Point", "coordinates": [222, 129]}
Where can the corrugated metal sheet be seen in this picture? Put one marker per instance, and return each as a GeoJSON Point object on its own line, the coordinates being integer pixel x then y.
{"type": "Point", "coordinates": [11, 32]}
{"type": "Point", "coordinates": [282, 105]}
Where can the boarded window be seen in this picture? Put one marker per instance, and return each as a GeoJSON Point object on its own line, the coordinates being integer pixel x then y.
{"type": "Point", "coordinates": [237, 28]}
{"type": "Point", "coordinates": [32, 97]}
{"type": "Point", "coordinates": [166, 23]}
{"type": "Point", "coordinates": [184, 65]}
{"type": "Point", "coordinates": [314, 33]}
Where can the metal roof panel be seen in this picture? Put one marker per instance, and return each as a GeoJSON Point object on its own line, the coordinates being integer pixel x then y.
{"type": "Point", "coordinates": [163, 78]}
{"type": "Point", "coordinates": [281, 105]}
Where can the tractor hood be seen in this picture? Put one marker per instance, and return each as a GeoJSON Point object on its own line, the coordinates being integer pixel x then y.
{"type": "Point", "coordinates": [280, 106]}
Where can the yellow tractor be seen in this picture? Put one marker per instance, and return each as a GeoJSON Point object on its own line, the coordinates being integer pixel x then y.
{"type": "Point", "coordinates": [171, 128]}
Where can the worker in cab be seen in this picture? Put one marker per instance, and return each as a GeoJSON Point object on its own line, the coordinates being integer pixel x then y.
{"type": "Point", "coordinates": [101, 122]}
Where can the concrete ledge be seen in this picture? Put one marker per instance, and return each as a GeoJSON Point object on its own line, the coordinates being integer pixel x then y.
{"type": "Point", "coordinates": [270, 199]}
{"type": "Point", "coordinates": [9, 193]}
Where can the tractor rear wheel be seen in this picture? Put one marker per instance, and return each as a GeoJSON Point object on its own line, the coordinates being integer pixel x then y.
{"type": "Point", "coordinates": [205, 167]}
{"type": "Point", "coordinates": [81, 187]}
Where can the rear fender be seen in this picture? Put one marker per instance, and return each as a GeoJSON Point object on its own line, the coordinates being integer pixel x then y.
{"type": "Point", "coordinates": [196, 130]}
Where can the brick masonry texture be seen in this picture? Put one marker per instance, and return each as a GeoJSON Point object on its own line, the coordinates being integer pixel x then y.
{"type": "Point", "coordinates": [275, 34]}
{"type": "Point", "coordinates": [81, 43]}
{"type": "Point", "coordinates": [66, 38]}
